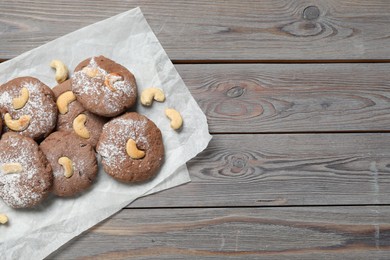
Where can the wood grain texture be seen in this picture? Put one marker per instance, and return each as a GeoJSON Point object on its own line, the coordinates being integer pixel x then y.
{"type": "Point", "coordinates": [254, 233]}
{"type": "Point", "coordinates": [217, 30]}
{"type": "Point", "coordinates": [258, 98]}
{"type": "Point", "coordinates": [290, 169]}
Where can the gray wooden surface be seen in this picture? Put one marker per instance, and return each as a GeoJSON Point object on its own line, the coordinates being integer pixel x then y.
{"type": "Point", "coordinates": [274, 98]}
{"type": "Point", "coordinates": [217, 30]}
{"type": "Point", "coordinates": [238, 233]}
{"type": "Point", "coordinates": [297, 97]}
{"type": "Point", "coordinates": [285, 169]}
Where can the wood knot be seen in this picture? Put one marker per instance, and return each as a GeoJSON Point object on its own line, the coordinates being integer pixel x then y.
{"type": "Point", "coordinates": [235, 92]}
{"type": "Point", "coordinates": [304, 28]}
{"type": "Point", "coordinates": [311, 13]}
{"type": "Point", "coordinates": [238, 164]}
{"type": "Point", "coordinates": [308, 25]}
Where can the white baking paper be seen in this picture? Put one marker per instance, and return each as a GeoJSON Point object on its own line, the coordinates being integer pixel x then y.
{"type": "Point", "coordinates": [127, 39]}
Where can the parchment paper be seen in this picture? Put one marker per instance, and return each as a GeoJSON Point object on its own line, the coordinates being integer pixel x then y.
{"type": "Point", "coordinates": [127, 39]}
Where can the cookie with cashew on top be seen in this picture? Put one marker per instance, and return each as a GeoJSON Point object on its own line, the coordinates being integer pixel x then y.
{"type": "Point", "coordinates": [27, 107]}
{"type": "Point", "coordinates": [131, 148]}
{"type": "Point", "coordinates": [73, 117]}
{"type": "Point", "coordinates": [73, 161]}
{"type": "Point", "coordinates": [104, 87]}
{"type": "Point", "coordinates": [25, 174]}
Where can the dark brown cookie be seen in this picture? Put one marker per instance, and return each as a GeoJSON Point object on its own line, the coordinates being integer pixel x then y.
{"type": "Point", "coordinates": [112, 148]}
{"type": "Point", "coordinates": [61, 88]}
{"type": "Point", "coordinates": [94, 124]}
{"type": "Point", "coordinates": [37, 115]}
{"type": "Point", "coordinates": [83, 164]}
{"type": "Point", "coordinates": [104, 87]}
{"type": "Point", "coordinates": [25, 174]}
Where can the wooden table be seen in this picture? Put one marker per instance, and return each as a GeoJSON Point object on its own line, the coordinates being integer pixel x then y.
{"type": "Point", "coordinates": [297, 96]}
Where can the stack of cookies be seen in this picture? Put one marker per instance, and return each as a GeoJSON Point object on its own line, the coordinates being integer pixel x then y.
{"type": "Point", "coordinates": [50, 137]}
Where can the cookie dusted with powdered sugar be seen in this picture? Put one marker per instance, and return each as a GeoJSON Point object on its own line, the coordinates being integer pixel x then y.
{"type": "Point", "coordinates": [70, 110]}
{"type": "Point", "coordinates": [73, 161]}
{"type": "Point", "coordinates": [27, 107]}
{"type": "Point", "coordinates": [131, 148]}
{"type": "Point", "coordinates": [104, 87]}
{"type": "Point", "coordinates": [25, 174]}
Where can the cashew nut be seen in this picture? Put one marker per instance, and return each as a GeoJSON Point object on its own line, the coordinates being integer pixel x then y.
{"type": "Point", "coordinates": [79, 126]}
{"type": "Point", "coordinates": [61, 70]}
{"type": "Point", "coordinates": [175, 117]}
{"type": "Point", "coordinates": [3, 219]}
{"type": "Point", "coordinates": [64, 100]}
{"type": "Point", "coordinates": [67, 164]}
{"type": "Point", "coordinates": [91, 72]}
{"type": "Point", "coordinates": [8, 168]}
{"type": "Point", "coordinates": [21, 101]}
{"type": "Point", "coordinates": [149, 94]}
{"type": "Point", "coordinates": [132, 150]}
{"type": "Point", "coordinates": [110, 79]}
{"type": "Point", "coordinates": [17, 125]}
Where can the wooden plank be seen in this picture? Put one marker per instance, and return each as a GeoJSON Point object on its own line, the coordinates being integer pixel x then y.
{"type": "Point", "coordinates": [244, 233]}
{"type": "Point", "coordinates": [217, 30]}
{"type": "Point", "coordinates": [290, 169]}
{"type": "Point", "coordinates": [259, 98]}
{"type": "Point", "coordinates": [264, 98]}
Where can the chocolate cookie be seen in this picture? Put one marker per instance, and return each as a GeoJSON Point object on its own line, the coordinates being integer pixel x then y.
{"type": "Point", "coordinates": [131, 148]}
{"type": "Point", "coordinates": [25, 174]}
{"type": "Point", "coordinates": [27, 107]}
{"type": "Point", "coordinates": [104, 87]}
{"type": "Point", "coordinates": [73, 161]}
{"type": "Point", "coordinates": [93, 124]}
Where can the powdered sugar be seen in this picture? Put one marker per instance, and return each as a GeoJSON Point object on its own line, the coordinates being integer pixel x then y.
{"type": "Point", "coordinates": [40, 111]}
{"type": "Point", "coordinates": [40, 107]}
{"type": "Point", "coordinates": [59, 172]}
{"type": "Point", "coordinates": [17, 188]}
{"type": "Point", "coordinates": [84, 85]}
{"type": "Point", "coordinates": [24, 156]}
{"type": "Point", "coordinates": [78, 165]}
{"type": "Point", "coordinates": [5, 99]}
{"type": "Point", "coordinates": [117, 132]}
